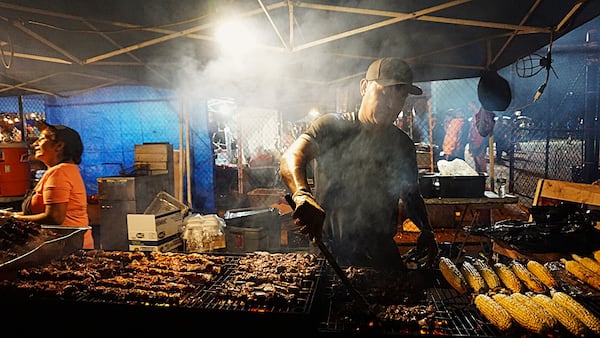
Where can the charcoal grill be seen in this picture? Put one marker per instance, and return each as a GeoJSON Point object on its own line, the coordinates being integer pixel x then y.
{"type": "Point", "coordinates": [200, 308]}
{"type": "Point", "coordinates": [312, 314]}
{"type": "Point", "coordinates": [455, 316]}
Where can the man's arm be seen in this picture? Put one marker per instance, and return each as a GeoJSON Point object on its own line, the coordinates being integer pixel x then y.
{"type": "Point", "coordinates": [294, 162]}
{"type": "Point", "coordinates": [415, 209]}
{"type": "Point", "coordinates": [308, 214]}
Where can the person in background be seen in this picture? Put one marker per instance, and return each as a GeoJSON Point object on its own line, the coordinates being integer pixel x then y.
{"type": "Point", "coordinates": [477, 143]}
{"type": "Point", "coordinates": [59, 198]}
{"type": "Point", "coordinates": [366, 176]}
{"type": "Point", "coordinates": [454, 139]}
{"type": "Point", "coordinates": [503, 137]}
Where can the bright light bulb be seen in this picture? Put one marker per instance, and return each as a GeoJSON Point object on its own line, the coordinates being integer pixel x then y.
{"type": "Point", "coordinates": [232, 35]}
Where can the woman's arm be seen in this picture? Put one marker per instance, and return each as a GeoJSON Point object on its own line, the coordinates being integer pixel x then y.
{"type": "Point", "coordinates": [54, 214]}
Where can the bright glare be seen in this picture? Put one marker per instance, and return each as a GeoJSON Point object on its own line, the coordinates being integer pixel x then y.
{"type": "Point", "coordinates": [314, 113]}
{"type": "Point", "coordinates": [232, 35]}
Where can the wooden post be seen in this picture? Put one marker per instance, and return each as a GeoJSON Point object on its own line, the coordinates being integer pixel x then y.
{"type": "Point", "coordinates": [492, 163]}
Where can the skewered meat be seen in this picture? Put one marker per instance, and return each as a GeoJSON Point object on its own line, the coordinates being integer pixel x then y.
{"type": "Point", "coordinates": [174, 279]}
{"type": "Point", "coordinates": [18, 237]}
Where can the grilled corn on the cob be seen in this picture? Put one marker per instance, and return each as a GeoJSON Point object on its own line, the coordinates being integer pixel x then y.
{"type": "Point", "coordinates": [493, 312]}
{"type": "Point", "coordinates": [508, 277]}
{"type": "Point", "coordinates": [529, 280]}
{"type": "Point", "coordinates": [473, 277]}
{"type": "Point", "coordinates": [489, 275]}
{"type": "Point", "coordinates": [452, 274]}
{"type": "Point", "coordinates": [588, 262]}
{"type": "Point", "coordinates": [536, 309]}
{"type": "Point", "coordinates": [584, 315]}
{"type": "Point", "coordinates": [542, 273]}
{"type": "Point", "coordinates": [521, 314]}
{"type": "Point", "coordinates": [565, 317]}
{"type": "Point", "coordinates": [584, 274]}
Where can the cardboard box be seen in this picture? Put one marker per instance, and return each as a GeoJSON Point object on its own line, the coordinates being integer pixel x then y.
{"type": "Point", "coordinates": [172, 243]}
{"type": "Point", "coordinates": [145, 227]}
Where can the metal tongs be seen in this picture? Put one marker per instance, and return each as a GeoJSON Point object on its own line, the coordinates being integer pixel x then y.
{"type": "Point", "coordinates": [5, 210]}
{"type": "Point", "coordinates": [336, 267]}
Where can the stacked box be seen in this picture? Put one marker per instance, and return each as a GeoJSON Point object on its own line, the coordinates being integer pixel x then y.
{"type": "Point", "coordinates": [154, 158]}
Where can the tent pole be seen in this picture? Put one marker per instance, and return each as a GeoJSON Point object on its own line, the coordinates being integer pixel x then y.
{"type": "Point", "coordinates": [187, 156]}
{"type": "Point", "coordinates": [492, 163]}
{"type": "Point", "coordinates": [182, 151]}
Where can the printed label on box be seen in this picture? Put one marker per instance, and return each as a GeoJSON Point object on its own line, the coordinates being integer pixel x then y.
{"type": "Point", "coordinates": [152, 227]}
{"type": "Point", "coordinates": [168, 246]}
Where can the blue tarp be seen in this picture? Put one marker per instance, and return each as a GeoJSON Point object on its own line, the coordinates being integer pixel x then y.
{"type": "Point", "coordinates": [113, 120]}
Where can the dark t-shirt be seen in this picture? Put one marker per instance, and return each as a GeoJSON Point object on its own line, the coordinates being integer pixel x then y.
{"type": "Point", "coordinates": [360, 176]}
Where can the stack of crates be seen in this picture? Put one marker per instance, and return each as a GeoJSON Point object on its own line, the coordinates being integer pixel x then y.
{"type": "Point", "coordinates": [155, 159]}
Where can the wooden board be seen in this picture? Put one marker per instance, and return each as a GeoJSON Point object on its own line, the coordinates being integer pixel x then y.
{"type": "Point", "coordinates": [551, 192]}
{"type": "Point", "coordinates": [583, 193]}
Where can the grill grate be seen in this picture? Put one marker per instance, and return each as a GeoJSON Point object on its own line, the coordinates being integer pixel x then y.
{"type": "Point", "coordinates": [458, 315]}
{"type": "Point", "coordinates": [208, 298]}
{"type": "Point", "coordinates": [207, 295]}
{"type": "Point", "coordinates": [454, 316]}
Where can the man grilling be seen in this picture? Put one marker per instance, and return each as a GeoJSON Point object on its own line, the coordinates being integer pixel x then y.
{"type": "Point", "coordinates": [366, 175]}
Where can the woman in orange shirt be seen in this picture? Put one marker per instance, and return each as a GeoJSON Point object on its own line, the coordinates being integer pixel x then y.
{"type": "Point", "coordinates": [60, 197]}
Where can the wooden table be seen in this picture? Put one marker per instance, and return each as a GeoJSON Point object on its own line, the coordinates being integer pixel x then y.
{"type": "Point", "coordinates": [488, 202]}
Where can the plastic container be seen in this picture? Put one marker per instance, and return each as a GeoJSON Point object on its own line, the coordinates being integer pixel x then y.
{"type": "Point", "coordinates": [203, 233]}
{"type": "Point", "coordinates": [164, 203]}
{"type": "Point", "coordinates": [15, 177]}
{"type": "Point", "coordinates": [462, 186]}
{"type": "Point", "coordinates": [265, 197]}
{"type": "Point", "coordinates": [429, 185]}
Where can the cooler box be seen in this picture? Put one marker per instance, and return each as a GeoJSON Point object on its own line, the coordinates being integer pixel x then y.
{"type": "Point", "coordinates": [462, 186]}
{"type": "Point", "coordinates": [267, 219]}
{"type": "Point", "coordinates": [15, 175]}
{"type": "Point", "coordinates": [435, 185]}
{"type": "Point", "coordinates": [246, 239]}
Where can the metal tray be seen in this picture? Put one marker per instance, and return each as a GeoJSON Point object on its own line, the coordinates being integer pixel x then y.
{"type": "Point", "coordinates": [69, 240]}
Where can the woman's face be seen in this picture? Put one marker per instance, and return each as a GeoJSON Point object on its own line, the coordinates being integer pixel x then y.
{"type": "Point", "coordinates": [47, 149]}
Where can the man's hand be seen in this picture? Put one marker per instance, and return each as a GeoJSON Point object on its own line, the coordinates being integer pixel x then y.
{"type": "Point", "coordinates": [308, 214]}
{"type": "Point", "coordinates": [427, 246]}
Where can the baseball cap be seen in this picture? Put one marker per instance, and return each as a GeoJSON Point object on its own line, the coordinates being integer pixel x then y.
{"type": "Point", "coordinates": [73, 144]}
{"type": "Point", "coordinates": [391, 71]}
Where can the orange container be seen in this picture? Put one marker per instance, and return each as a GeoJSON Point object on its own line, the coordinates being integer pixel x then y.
{"type": "Point", "coordinates": [15, 174]}
{"type": "Point", "coordinates": [264, 197]}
